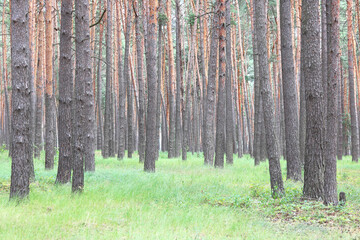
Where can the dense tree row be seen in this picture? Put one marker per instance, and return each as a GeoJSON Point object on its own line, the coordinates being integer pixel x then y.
{"type": "Point", "coordinates": [269, 78]}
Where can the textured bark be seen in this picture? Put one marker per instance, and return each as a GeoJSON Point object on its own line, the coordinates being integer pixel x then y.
{"type": "Point", "coordinates": [352, 88]}
{"type": "Point", "coordinates": [229, 99]}
{"type": "Point", "coordinates": [314, 159]}
{"type": "Point", "coordinates": [128, 83]}
{"type": "Point", "coordinates": [21, 97]}
{"type": "Point", "coordinates": [289, 90]}
{"type": "Point", "coordinates": [221, 104]}
{"type": "Point", "coordinates": [122, 99]}
{"type": "Point", "coordinates": [272, 144]}
{"type": "Point", "coordinates": [330, 184]}
{"type": "Point", "coordinates": [141, 82]}
{"type": "Point", "coordinates": [39, 86]}
{"type": "Point", "coordinates": [202, 73]}
{"type": "Point", "coordinates": [108, 150]}
{"type": "Point", "coordinates": [158, 93]}
{"type": "Point", "coordinates": [172, 93]}
{"type": "Point", "coordinates": [340, 116]}
{"type": "Point", "coordinates": [150, 152]}
{"type": "Point", "coordinates": [324, 59]}
{"type": "Point", "coordinates": [49, 102]}
{"type": "Point", "coordinates": [187, 111]}
{"type": "Point", "coordinates": [302, 120]}
{"type": "Point", "coordinates": [84, 106]}
{"type": "Point", "coordinates": [258, 119]}
{"type": "Point", "coordinates": [65, 94]}
{"type": "Point", "coordinates": [99, 134]}
{"type": "Point", "coordinates": [210, 96]}
{"type": "Point", "coordinates": [8, 133]}
{"type": "Point", "coordinates": [178, 131]}
{"type": "Point", "coordinates": [32, 38]}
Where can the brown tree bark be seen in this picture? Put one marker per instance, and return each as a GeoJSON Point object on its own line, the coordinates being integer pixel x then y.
{"type": "Point", "coordinates": [187, 108]}
{"type": "Point", "coordinates": [211, 88]}
{"type": "Point", "coordinates": [330, 184]}
{"type": "Point", "coordinates": [340, 114]}
{"type": "Point", "coordinates": [7, 125]}
{"type": "Point", "coordinates": [49, 94]}
{"type": "Point", "coordinates": [272, 144]}
{"type": "Point", "coordinates": [289, 90]}
{"type": "Point", "coordinates": [108, 150]}
{"type": "Point", "coordinates": [99, 115]}
{"type": "Point", "coordinates": [172, 92]}
{"type": "Point", "coordinates": [352, 88]}
{"type": "Point", "coordinates": [311, 58]}
{"type": "Point", "coordinates": [141, 82]}
{"type": "Point", "coordinates": [122, 98]}
{"type": "Point", "coordinates": [39, 85]}
{"type": "Point", "coordinates": [229, 98]}
{"type": "Point", "coordinates": [150, 152]}
{"type": "Point", "coordinates": [221, 104]}
{"type": "Point", "coordinates": [128, 82]}
{"type": "Point", "coordinates": [84, 100]}
{"type": "Point", "coordinates": [66, 82]}
{"type": "Point", "coordinates": [178, 130]}
{"type": "Point", "coordinates": [21, 97]}
{"type": "Point", "coordinates": [258, 119]}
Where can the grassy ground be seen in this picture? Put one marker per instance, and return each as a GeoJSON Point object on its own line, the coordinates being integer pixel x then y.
{"type": "Point", "coordinates": [182, 200]}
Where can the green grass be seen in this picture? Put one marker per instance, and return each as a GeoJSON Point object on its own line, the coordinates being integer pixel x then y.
{"type": "Point", "coordinates": [182, 200]}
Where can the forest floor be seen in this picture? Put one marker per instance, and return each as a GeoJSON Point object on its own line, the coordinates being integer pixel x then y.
{"type": "Point", "coordinates": [182, 200]}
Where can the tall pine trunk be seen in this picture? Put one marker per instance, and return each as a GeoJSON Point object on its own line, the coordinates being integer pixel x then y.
{"type": "Point", "coordinates": [210, 96]}
{"type": "Point", "coordinates": [150, 151]}
{"type": "Point", "coordinates": [330, 184]}
{"type": "Point", "coordinates": [272, 145]}
{"type": "Point", "coordinates": [352, 88]}
{"type": "Point", "coordinates": [49, 102]}
{"type": "Point", "coordinates": [84, 141]}
{"type": "Point", "coordinates": [311, 57]}
{"type": "Point", "coordinates": [289, 91]}
{"type": "Point", "coordinates": [21, 97]}
{"type": "Point", "coordinates": [229, 99]}
{"type": "Point", "coordinates": [65, 94]}
{"type": "Point", "coordinates": [221, 104]}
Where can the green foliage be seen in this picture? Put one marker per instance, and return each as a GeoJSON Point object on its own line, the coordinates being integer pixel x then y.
{"type": "Point", "coordinates": [190, 19]}
{"type": "Point", "coordinates": [182, 200]}
{"type": "Point", "coordinates": [162, 18]}
{"type": "Point", "coordinates": [3, 148]}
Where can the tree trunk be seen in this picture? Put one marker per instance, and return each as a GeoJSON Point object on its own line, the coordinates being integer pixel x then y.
{"type": "Point", "coordinates": [158, 93]}
{"type": "Point", "coordinates": [221, 104]}
{"type": "Point", "coordinates": [314, 159]}
{"type": "Point", "coordinates": [330, 184]}
{"type": "Point", "coordinates": [141, 82]}
{"type": "Point", "coordinates": [122, 99]}
{"type": "Point", "coordinates": [289, 90]}
{"type": "Point", "coordinates": [210, 96]}
{"type": "Point", "coordinates": [229, 99]}
{"type": "Point", "coordinates": [340, 115]}
{"type": "Point", "coordinates": [128, 82]}
{"type": "Point", "coordinates": [65, 94]}
{"type": "Point", "coordinates": [49, 103]}
{"type": "Point", "coordinates": [172, 100]}
{"type": "Point", "coordinates": [84, 99]}
{"type": "Point", "coordinates": [108, 150]}
{"type": "Point", "coordinates": [187, 110]}
{"type": "Point", "coordinates": [352, 88]}
{"type": "Point", "coordinates": [150, 152]}
{"type": "Point", "coordinates": [272, 145]}
{"type": "Point", "coordinates": [178, 131]}
{"type": "Point", "coordinates": [39, 86]}
{"type": "Point", "coordinates": [100, 136]}
{"type": "Point", "coordinates": [21, 97]}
